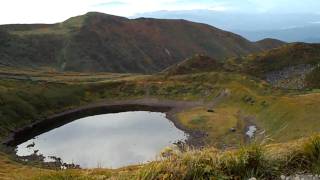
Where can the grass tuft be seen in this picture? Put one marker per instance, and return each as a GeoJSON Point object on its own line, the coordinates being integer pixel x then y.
{"type": "Point", "coordinates": [247, 162]}
{"type": "Point", "coordinates": [312, 153]}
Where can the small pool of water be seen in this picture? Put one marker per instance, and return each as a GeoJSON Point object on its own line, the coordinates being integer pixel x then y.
{"type": "Point", "coordinates": [108, 140]}
{"type": "Point", "coordinates": [251, 131]}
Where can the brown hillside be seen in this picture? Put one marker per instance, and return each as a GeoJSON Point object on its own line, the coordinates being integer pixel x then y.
{"type": "Point", "coordinates": [98, 42]}
{"type": "Point", "coordinates": [195, 64]}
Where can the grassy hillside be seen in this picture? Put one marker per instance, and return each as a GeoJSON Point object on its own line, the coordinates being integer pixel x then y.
{"type": "Point", "coordinates": [234, 97]}
{"type": "Point", "coordinates": [229, 94]}
{"type": "Point", "coordinates": [236, 100]}
{"type": "Point", "coordinates": [196, 64]}
{"type": "Point", "coordinates": [97, 42]}
{"type": "Point", "coordinates": [268, 43]}
{"type": "Point", "coordinates": [313, 78]}
{"type": "Point", "coordinates": [279, 58]}
{"type": "Point", "coordinates": [293, 66]}
{"type": "Point", "coordinates": [29, 51]}
{"type": "Point", "coordinates": [259, 161]}
{"type": "Point", "coordinates": [275, 111]}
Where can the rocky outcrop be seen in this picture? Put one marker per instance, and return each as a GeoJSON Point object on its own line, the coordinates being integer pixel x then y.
{"type": "Point", "coordinates": [292, 77]}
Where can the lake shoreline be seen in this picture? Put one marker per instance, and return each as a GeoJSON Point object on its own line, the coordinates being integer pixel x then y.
{"type": "Point", "coordinates": [170, 107]}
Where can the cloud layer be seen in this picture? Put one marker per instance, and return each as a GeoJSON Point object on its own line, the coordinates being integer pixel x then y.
{"type": "Point", "coordinates": [50, 11]}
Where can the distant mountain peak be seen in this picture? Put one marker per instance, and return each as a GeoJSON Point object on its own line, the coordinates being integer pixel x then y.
{"type": "Point", "coordinates": [96, 42]}
{"type": "Point", "coordinates": [93, 17]}
{"type": "Point", "coordinates": [102, 15]}
{"type": "Point", "coordinates": [270, 39]}
{"type": "Point", "coordinates": [269, 43]}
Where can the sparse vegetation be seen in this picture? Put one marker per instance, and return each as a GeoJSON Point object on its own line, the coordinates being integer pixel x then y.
{"type": "Point", "coordinates": [260, 161]}
{"type": "Point", "coordinates": [280, 58]}
{"type": "Point", "coordinates": [236, 100]}
{"type": "Point", "coordinates": [313, 79]}
{"type": "Point", "coordinates": [196, 64]}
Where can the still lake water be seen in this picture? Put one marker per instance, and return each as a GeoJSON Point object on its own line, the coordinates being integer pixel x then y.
{"type": "Point", "coordinates": [108, 140]}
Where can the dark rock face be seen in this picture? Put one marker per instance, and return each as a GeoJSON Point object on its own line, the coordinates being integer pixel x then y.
{"type": "Point", "coordinates": [98, 42]}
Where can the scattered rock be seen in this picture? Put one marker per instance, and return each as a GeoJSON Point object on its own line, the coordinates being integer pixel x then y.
{"type": "Point", "coordinates": [292, 77]}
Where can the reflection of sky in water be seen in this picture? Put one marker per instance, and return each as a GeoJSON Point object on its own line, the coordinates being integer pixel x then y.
{"type": "Point", "coordinates": [251, 131]}
{"type": "Point", "coordinates": [109, 140]}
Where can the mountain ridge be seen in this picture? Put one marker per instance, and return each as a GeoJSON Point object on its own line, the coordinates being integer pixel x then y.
{"type": "Point", "coordinates": [289, 27]}
{"type": "Point", "coordinates": [97, 42]}
{"type": "Point", "coordinates": [292, 66]}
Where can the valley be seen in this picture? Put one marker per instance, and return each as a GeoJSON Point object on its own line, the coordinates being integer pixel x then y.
{"type": "Point", "coordinates": [247, 108]}
{"type": "Point", "coordinates": [280, 115]}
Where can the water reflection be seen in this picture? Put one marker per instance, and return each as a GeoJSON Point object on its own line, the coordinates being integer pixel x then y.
{"type": "Point", "coordinates": [109, 140]}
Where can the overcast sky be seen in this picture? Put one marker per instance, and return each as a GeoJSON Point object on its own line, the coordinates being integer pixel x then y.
{"type": "Point", "coordinates": [50, 11]}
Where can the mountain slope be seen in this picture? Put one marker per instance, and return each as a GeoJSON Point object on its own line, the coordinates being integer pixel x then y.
{"type": "Point", "coordinates": [305, 33]}
{"type": "Point", "coordinates": [293, 66]}
{"type": "Point", "coordinates": [98, 42]}
{"type": "Point", "coordinates": [269, 43]}
{"type": "Point", "coordinates": [279, 58]}
{"type": "Point", "coordinates": [195, 64]}
{"type": "Point", "coordinates": [289, 27]}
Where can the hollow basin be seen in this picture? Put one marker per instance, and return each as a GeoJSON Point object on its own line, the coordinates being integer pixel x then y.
{"type": "Point", "coordinates": [109, 140]}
